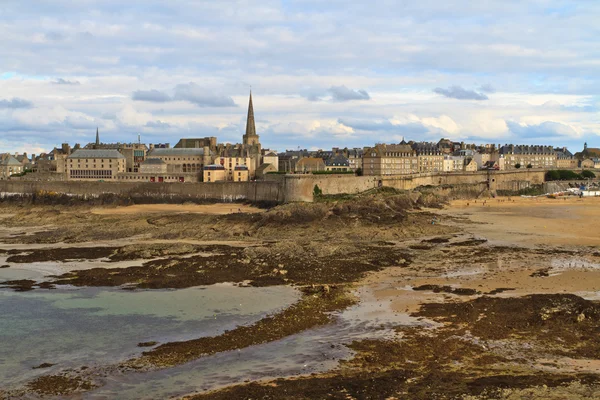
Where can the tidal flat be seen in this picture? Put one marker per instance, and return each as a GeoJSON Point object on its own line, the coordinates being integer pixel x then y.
{"type": "Point", "coordinates": [382, 295]}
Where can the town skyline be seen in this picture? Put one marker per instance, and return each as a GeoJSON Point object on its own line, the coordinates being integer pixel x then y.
{"type": "Point", "coordinates": [509, 72]}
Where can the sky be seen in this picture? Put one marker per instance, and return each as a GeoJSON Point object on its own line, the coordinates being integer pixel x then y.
{"type": "Point", "coordinates": [322, 73]}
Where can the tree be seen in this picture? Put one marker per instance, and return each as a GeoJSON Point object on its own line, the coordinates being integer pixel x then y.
{"type": "Point", "coordinates": [587, 174]}
{"type": "Point", "coordinates": [517, 165]}
{"type": "Point", "coordinates": [359, 172]}
{"type": "Point", "coordinates": [317, 191]}
{"type": "Point", "coordinates": [529, 166]}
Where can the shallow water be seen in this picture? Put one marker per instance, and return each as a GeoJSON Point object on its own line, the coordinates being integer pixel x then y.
{"type": "Point", "coordinates": [95, 326]}
{"type": "Point", "coordinates": [312, 351]}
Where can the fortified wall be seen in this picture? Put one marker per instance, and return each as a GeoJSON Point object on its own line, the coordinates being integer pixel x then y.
{"type": "Point", "coordinates": [284, 188]}
{"type": "Point", "coordinates": [300, 187]}
{"type": "Point", "coordinates": [214, 191]}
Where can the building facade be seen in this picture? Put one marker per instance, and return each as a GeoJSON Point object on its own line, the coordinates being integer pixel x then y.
{"type": "Point", "coordinates": [10, 166]}
{"type": "Point", "coordinates": [521, 156]}
{"type": "Point", "coordinates": [429, 157]}
{"type": "Point", "coordinates": [390, 159]}
{"type": "Point", "coordinates": [87, 164]}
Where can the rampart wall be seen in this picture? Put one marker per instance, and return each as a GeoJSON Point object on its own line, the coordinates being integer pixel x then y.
{"type": "Point", "coordinates": [216, 191]}
{"type": "Point", "coordinates": [285, 188]}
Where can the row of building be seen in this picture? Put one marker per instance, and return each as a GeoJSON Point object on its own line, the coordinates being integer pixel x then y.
{"type": "Point", "coordinates": [203, 159]}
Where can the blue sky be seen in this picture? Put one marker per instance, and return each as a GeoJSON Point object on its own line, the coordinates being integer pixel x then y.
{"type": "Point", "coordinates": [335, 73]}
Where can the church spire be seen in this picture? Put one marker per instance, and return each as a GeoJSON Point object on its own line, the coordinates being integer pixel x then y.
{"type": "Point", "coordinates": [97, 137]}
{"type": "Point", "coordinates": [250, 128]}
{"type": "Point", "coordinates": [250, 138]}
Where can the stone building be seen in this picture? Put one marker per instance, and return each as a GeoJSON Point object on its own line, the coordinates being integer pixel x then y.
{"type": "Point", "coordinates": [271, 158]}
{"type": "Point", "coordinates": [231, 163]}
{"type": "Point", "coordinates": [153, 166]}
{"type": "Point", "coordinates": [337, 163]}
{"type": "Point", "coordinates": [134, 153]}
{"type": "Point", "coordinates": [453, 163]}
{"type": "Point", "coordinates": [590, 163]}
{"type": "Point", "coordinates": [310, 164]}
{"type": "Point", "coordinates": [249, 149]}
{"type": "Point", "coordinates": [197, 143]}
{"type": "Point", "coordinates": [355, 158]}
{"type": "Point", "coordinates": [240, 174]}
{"type": "Point", "coordinates": [91, 164]}
{"type": "Point", "coordinates": [524, 155]}
{"type": "Point", "coordinates": [213, 173]}
{"type": "Point", "coordinates": [182, 160]}
{"type": "Point", "coordinates": [430, 157]}
{"type": "Point", "coordinates": [390, 159]}
{"type": "Point", "coordinates": [10, 166]}
{"type": "Point", "coordinates": [264, 170]}
{"type": "Point", "coordinates": [565, 159]}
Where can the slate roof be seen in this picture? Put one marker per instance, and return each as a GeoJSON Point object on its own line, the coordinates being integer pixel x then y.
{"type": "Point", "coordinates": [337, 161]}
{"type": "Point", "coordinates": [153, 161]}
{"type": "Point", "coordinates": [214, 167]}
{"type": "Point", "coordinates": [526, 149]}
{"type": "Point", "coordinates": [176, 152]}
{"type": "Point", "coordinates": [10, 161]}
{"type": "Point", "coordinates": [89, 153]}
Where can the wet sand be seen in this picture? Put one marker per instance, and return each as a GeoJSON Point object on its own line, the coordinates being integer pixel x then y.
{"type": "Point", "coordinates": [564, 233]}
{"type": "Point", "coordinates": [533, 221]}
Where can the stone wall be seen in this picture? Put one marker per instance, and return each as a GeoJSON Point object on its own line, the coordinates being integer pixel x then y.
{"type": "Point", "coordinates": [217, 191]}
{"type": "Point", "coordinates": [286, 188]}
{"type": "Point", "coordinates": [300, 187]}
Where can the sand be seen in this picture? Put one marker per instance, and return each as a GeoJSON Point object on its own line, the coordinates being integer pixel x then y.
{"type": "Point", "coordinates": [533, 221]}
{"type": "Point", "coordinates": [563, 235]}
{"type": "Point", "coordinates": [219, 208]}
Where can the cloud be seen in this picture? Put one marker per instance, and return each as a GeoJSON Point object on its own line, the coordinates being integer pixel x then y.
{"type": "Point", "coordinates": [342, 93]}
{"type": "Point", "coordinates": [487, 88]}
{"type": "Point", "coordinates": [201, 97]}
{"type": "Point", "coordinates": [157, 124]}
{"type": "Point", "coordinates": [15, 103]}
{"type": "Point", "coordinates": [54, 36]}
{"type": "Point", "coordinates": [189, 92]}
{"type": "Point", "coordinates": [61, 81]}
{"type": "Point", "coordinates": [151, 95]}
{"type": "Point", "coordinates": [459, 93]}
{"type": "Point", "coordinates": [336, 93]}
{"type": "Point", "coordinates": [547, 129]}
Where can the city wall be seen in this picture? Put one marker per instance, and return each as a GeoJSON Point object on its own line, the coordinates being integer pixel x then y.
{"type": "Point", "coordinates": [216, 191]}
{"type": "Point", "coordinates": [285, 188]}
{"type": "Point", "coordinates": [300, 187]}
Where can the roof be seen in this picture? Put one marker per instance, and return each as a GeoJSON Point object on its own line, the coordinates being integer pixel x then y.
{"type": "Point", "coordinates": [153, 161]}
{"type": "Point", "coordinates": [310, 161]}
{"type": "Point", "coordinates": [526, 149]}
{"type": "Point", "coordinates": [214, 167]}
{"type": "Point", "coordinates": [382, 149]}
{"type": "Point", "coordinates": [176, 152]}
{"type": "Point", "coordinates": [263, 167]}
{"type": "Point", "coordinates": [89, 153]}
{"type": "Point", "coordinates": [270, 154]}
{"type": "Point", "coordinates": [338, 161]}
{"type": "Point", "coordinates": [8, 161]}
{"type": "Point", "coordinates": [426, 147]}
